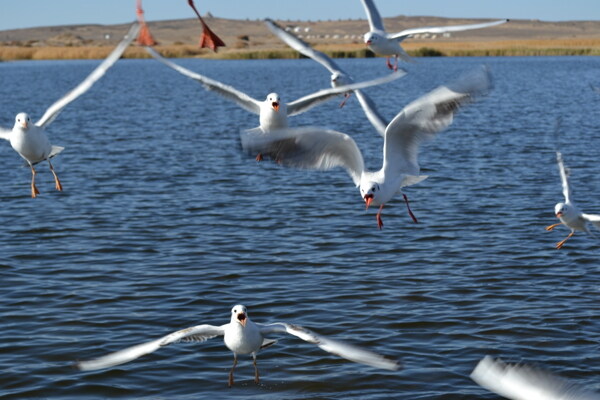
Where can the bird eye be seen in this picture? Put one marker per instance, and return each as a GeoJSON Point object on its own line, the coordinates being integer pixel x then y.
{"type": "Point", "coordinates": [373, 188]}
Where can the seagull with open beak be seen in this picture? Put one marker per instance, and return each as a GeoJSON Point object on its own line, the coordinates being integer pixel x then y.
{"type": "Point", "coordinates": [243, 336]}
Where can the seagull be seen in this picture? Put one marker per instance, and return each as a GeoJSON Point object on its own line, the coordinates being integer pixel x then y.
{"type": "Point", "coordinates": [319, 148]}
{"type": "Point", "coordinates": [381, 42]}
{"type": "Point", "coordinates": [243, 336]}
{"type": "Point", "coordinates": [30, 140]}
{"type": "Point", "coordinates": [524, 382]}
{"type": "Point", "coordinates": [273, 113]}
{"type": "Point", "coordinates": [208, 38]}
{"type": "Point", "coordinates": [567, 212]}
{"type": "Point", "coordinates": [338, 76]}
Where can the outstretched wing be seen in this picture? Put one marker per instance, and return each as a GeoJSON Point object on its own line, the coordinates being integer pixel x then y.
{"type": "Point", "coordinates": [229, 92]}
{"type": "Point", "coordinates": [593, 218]}
{"type": "Point", "coordinates": [370, 110]}
{"type": "Point", "coordinates": [375, 21]}
{"type": "Point", "coordinates": [195, 333]}
{"type": "Point", "coordinates": [302, 47]}
{"type": "Point", "coordinates": [424, 117]}
{"type": "Point", "coordinates": [442, 29]}
{"type": "Point", "coordinates": [5, 133]}
{"type": "Point", "coordinates": [307, 102]}
{"type": "Point", "coordinates": [344, 350]}
{"type": "Point", "coordinates": [87, 83]}
{"type": "Point", "coordinates": [523, 382]}
{"type": "Point", "coordinates": [307, 147]}
{"type": "Point", "coordinates": [564, 177]}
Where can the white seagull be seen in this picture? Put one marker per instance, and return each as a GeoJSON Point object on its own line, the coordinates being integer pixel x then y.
{"type": "Point", "coordinates": [381, 42]}
{"type": "Point", "coordinates": [318, 148]}
{"type": "Point", "coordinates": [30, 140]}
{"type": "Point", "coordinates": [523, 382]}
{"type": "Point", "coordinates": [273, 113]}
{"type": "Point", "coordinates": [567, 212]}
{"type": "Point", "coordinates": [243, 336]}
{"type": "Point", "coordinates": [338, 76]}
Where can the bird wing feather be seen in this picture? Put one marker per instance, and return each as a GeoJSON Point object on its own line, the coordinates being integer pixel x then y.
{"type": "Point", "coordinates": [53, 111]}
{"type": "Point", "coordinates": [342, 349]}
{"type": "Point", "coordinates": [375, 21]}
{"type": "Point", "coordinates": [307, 148]}
{"type": "Point", "coordinates": [242, 99]}
{"type": "Point", "coordinates": [307, 102]}
{"type": "Point", "coordinates": [423, 118]}
{"type": "Point", "coordinates": [194, 333]}
{"type": "Point", "coordinates": [442, 29]}
{"type": "Point", "coordinates": [524, 382]}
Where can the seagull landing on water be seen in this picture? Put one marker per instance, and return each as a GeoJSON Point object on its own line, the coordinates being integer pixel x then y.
{"type": "Point", "coordinates": [567, 212]}
{"type": "Point", "coordinates": [381, 42]}
{"type": "Point", "coordinates": [243, 336]}
{"type": "Point", "coordinates": [524, 382]}
{"type": "Point", "coordinates": [318, 148]}
{"type": "Point", "coordinates": [30, 140]}
{"type": "Point", "coordinates": [273, 113]}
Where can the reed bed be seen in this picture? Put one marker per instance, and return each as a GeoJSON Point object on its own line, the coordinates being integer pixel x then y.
{"type": "Point", "coordinates": [561, 47]}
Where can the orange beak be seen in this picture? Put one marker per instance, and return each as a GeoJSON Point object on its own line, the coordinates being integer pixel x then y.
{"type": "Point", "coordinates": [275, 106]}
{"type": "Point", "coordinates": [24, 124]}
{"type": "Point", "coordinates": [368, 200]}
{"type": "Point", "coordinates": [559, 214]}
{"type": "Point", "coordinates": [242, 318]}
{"type": "Point", "coordinates": [368, 43]}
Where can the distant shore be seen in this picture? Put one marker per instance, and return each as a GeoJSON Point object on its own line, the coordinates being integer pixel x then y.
{"type": "Point", "coordinates": [537, 47]}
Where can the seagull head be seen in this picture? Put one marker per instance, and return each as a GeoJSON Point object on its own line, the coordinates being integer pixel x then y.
{"type": "Point", "coordinates": [239, 315]}
{"type": "Point", "coordinates": [22, 120]}
{"type": "Point", "coordinates": [369, 192]}
{"type": "Point", "coordinates": [273, 101]}
{"type": "Point", "coordinates": [370, 38]}
{"type": "Point", "coordinates": [560, 209]}
{"type": "Point", "coordinates": [339, 79]}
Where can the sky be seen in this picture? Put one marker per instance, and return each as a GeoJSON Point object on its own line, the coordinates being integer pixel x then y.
{"type": "Point", "coordinates": [15, 14]}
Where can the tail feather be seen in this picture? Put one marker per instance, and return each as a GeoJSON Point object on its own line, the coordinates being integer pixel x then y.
{"type": "Point", "coordinates": [55, 151]}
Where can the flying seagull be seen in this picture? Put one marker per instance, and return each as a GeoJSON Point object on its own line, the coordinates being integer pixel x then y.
{"type": "Point", "coordinates": [30, 140]}
{"type": "Point", "coordinates": [243, 336]}
{"type": "Point", "coordinates": [323, 149]}
{"type": "Point", "coordinates": [338, 76]}
{"type": "Point", "coordinates": [388, 44]}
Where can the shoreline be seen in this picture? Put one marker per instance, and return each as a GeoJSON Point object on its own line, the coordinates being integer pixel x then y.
{"type": "Point", "coordinates": [533, 47]}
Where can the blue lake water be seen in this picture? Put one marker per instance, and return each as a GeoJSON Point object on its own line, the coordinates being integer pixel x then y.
{"type": "Point", "coordinates": [165, 224]}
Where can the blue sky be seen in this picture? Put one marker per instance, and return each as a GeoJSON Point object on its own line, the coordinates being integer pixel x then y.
{"type": "Point", "coordinates": [30, 13]}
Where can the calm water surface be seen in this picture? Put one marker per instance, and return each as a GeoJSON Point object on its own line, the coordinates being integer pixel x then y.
{"type": "Point", "coordinates": [164, 224]}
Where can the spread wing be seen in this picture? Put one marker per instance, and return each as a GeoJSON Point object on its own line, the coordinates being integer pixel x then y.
{"type": "Point", "coordinates": [523, 382]}
{"type": "Point", "coordinates": [370, 110]}
{"type": "Point", "coordinates": [564, 177]}
{"type": "Point", "coordinates": [307, 102]}
{"type": "Point", "coordinates": [53, 111]}
{"type": "Point", "coordinates": [442, 29]}
{"type": "Point", "coordinates": [593, 218]}
{"type": "Point", "coordinates": [375, 22]}
{"type": "Point", "coordinates": [5, 133]}
{"type": "Point", "coordinates": [424, 117]}
{"type": "Point", "coordinates": [307, 147]}
{"type": "Point", "coordinates": [303, 48]}
{"type": "Point", "coordinates": [198, 333]}
{"type": "Point", "coordinates": [229, 92]}
{"type": "Point", "coordinates": [344, 350]}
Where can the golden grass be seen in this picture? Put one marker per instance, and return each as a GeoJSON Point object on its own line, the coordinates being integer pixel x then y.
{"type": "Point", "coordinates": [415, 48]}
